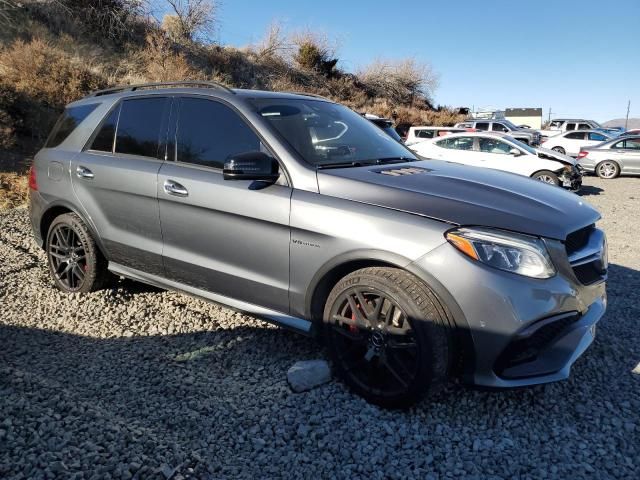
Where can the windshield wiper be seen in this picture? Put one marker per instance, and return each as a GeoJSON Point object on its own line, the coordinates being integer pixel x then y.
{"type": "Point", "coordinates": [343, 165]}
{"type": "Point", "coordinates": [362, 163]}
{"type": "Point", "coordinates": [386, 160]}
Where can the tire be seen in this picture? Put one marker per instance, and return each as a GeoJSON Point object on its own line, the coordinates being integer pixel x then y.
{"type": "Point", "coordinates": [559, 150]}
{"type": "Point", "coordinates": [545, 176]}
{"type": "Point", "coordinates": [75, 262]}
{"type": "Point", "coordinates": [391, 362]}
{"type": "Point", "coordinates": [608, 169]}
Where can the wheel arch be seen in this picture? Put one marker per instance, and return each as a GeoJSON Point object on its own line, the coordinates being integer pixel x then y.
{"type": "Point", "coordinates": [463, 351]}
{"type": "Point", "coordinates": [54, 210]}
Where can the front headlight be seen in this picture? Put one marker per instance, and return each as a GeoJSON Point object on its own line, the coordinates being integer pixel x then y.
{"type": "Point", "coordinates": [512, 252]}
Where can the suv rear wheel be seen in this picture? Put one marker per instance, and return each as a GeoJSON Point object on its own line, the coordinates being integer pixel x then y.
{"type": "Point", "coordinates": [75, 262]}
{"type": "Point", "coordinates": [387, 336]}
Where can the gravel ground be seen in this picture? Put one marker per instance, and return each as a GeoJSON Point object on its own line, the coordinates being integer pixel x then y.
{"type": "Point", "coordinates": [134, 382]}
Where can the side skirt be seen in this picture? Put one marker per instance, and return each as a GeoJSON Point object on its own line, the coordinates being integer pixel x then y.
{"type": "Point", "coordinates": [281, 319]}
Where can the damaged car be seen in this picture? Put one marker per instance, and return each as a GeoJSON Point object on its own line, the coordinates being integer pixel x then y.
{"type": "Point", "coordinates": [503, 152]}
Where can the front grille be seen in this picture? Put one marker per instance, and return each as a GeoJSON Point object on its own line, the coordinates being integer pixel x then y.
{"type": "Point", "coordinates": [586, 249]}
{"type": "Point", "coordinates": [578, 239]}
{"type": "Point", "coordinates": [527, 346]}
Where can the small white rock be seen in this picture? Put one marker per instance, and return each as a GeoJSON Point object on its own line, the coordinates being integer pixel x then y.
{"type": "Point", "coordinates": [307, 374]}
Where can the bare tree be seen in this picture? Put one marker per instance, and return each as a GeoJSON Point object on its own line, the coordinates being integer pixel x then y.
{"type": "Point", "coordinates": [195, 18]}
{"type": "Point", "coordinates": [275, 42]}
{"type": "Point", "coordinates": [401, 80]}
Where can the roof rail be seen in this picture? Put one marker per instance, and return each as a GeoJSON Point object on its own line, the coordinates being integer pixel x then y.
{"type": "Point", "coordinates": [144, 86]}
{"type": "Point", "coordinates": [307, 94]}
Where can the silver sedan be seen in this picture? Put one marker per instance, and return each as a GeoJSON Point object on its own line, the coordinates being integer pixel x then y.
{"type": "Point", "coordinates": [619, 156]}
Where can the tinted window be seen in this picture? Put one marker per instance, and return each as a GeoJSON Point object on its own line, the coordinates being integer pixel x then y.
{"type": "Point", "coordinates": [493, 145]}
{"type": "Point", "coordinates": [631, 144]}
{"type": "Point", "coordinates": [68, 121]}
{"type": "Point", "coordinates": [103, 141]}
{"type": "Point", "coordinates": [597, 137]}
{"type": "Point", "coordinates": [139, 126]}
{"type": "Point", "coordinates": [498, 127]}
{"type": "Point", "coordinates": [457, 143]}
{"type": "Point", "coordinates": [209, 133]}
{"type": "Point", "coordinates": [584, 126]}
{"type": "Point", "coordinates": [575, 136]}
{"type": "Point", "coordinates": [571, 126]}
{"type": "Point", "coordinates": [482, 125]}
{"type": "Point", "coordinates": [425, 133]}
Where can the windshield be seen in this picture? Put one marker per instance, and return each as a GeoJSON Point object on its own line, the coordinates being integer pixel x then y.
{"type": "Point", "coordinates": [521, 145]}
{"type": "Point", "coordinates": [326, 134]}
{"type": "Point", "coordinates": [511, 125]}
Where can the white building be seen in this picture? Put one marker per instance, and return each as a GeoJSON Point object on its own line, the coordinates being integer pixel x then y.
{"type": "Point", "coordinates": [525, 116]}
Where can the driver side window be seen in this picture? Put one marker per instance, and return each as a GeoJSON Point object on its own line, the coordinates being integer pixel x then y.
{"type": "Point", "coordinates": [493, 145]}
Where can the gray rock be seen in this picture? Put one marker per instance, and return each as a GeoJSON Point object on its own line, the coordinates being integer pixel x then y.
{"type": "Point", "coordinates": [307, 374]}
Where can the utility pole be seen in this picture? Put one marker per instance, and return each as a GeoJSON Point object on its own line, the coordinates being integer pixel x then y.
{"type": "Point", "coordinates": [626, 121]}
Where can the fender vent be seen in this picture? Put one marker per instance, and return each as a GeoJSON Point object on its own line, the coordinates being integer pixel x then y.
{"type": "Point", "coordinates": [398, 172]}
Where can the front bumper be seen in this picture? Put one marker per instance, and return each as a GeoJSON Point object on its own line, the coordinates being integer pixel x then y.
{"type": "Point", "coordinates": [571, 180]}
{"type": "Point", "coordinates": [515, 331]}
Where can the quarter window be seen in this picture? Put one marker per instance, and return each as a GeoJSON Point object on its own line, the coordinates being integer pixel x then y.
{"type": "Point", "coordinates": [139, 127]}
{"type": "Point", "coordinates": [68, 121]}
{"type": "Point", "coordinates": [103, 141]}
{"type": "Point", "coordinates": [209, 133]}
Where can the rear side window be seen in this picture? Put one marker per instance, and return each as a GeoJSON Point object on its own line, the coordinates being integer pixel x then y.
{"type": "Point", "coordinates": [482, 125]}
{"type": "Point", "coordinates": [68, 121]}
{"type": "Point", "coordinates": [103, 141]}
{"type": "Point", "coordinates": [209, 133]}
{"type": "Point", "coordinates": [140, 125]}
{"type": "Point", "coordinates": [571, 126]}
{"type": "Point", "coordinates": [575, 136]}
{"type": "Point", "coordinates": [597, 137]}
{"type": "Point", "coordinates": [424, 133]}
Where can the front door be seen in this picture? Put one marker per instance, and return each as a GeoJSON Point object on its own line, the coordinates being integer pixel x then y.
{"type": "Point", "coordinates": [225, 236]}
{"type": "Point", "coordinates": [115, 181]}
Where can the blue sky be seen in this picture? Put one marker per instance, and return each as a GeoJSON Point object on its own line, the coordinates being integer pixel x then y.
{"type": "Point", "coordinates": [579, 58]}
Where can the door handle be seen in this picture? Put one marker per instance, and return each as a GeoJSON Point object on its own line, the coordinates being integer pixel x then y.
{"type": "Point", "coordinates": [84, 172]}
{"type": "Point", "coordinates": [174, 188]}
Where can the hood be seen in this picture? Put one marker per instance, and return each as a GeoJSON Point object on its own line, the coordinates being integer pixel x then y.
{"type": "Point", "coordinates": [463, 195]}
{"type": "Point", "coordinates": [553, 155]}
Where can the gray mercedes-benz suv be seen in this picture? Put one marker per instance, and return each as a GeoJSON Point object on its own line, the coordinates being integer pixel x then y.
{"type": "Point", "coordinates": [302, 212]}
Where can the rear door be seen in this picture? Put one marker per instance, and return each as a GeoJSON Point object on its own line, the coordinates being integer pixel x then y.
{"type": "Point", "coordinates": [115, 178]}
{"type": "Point", "coordinates": [573, 141]}
{"type": "Point", "coordinates": [627, 153]}
{"type": "Point", "coordinates": [457, 149]}
{"type": "Point", "coordinates": [229, 237]}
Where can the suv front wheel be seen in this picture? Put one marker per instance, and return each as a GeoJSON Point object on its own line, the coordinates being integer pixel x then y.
{"type": "Point", "coordinates": [75, 262]}
{"type": "Point", "coordinates": [387, 336]}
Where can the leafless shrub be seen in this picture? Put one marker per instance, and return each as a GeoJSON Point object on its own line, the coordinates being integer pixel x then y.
{"type": "Point", "coordinates": [195, 19]}
{"type": "Point", "coordinates": [403, 81]}
{"type": "Point", "coordinates": [14, 190]}
{"type": "Point", "coordinates": [7, 9]}
{"type": "Point", "coordinates": [275, 42]}
{"type": "Point", "coordinates": [163, 63]}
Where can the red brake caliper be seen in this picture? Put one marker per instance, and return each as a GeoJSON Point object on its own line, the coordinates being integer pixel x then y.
{"type": "Point", "coordinates": [352, 327]}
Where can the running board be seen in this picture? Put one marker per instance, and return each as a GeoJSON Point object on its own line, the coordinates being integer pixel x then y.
{"type": "Point", "coordinates": [298, 324]}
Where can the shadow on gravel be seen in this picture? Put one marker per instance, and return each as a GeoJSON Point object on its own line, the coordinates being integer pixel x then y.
{"type": "Point", "coordinates": [587, 190]}
{"type": "Point", "coordinates": [215, 404]}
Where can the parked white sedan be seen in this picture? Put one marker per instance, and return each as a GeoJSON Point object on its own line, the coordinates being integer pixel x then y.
{"type": "Point", "coordinates": [570, 143]}
{"type": "Point", "coordinates": [501, 152]}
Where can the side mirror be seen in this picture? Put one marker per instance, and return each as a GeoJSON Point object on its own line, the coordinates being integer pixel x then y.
{"type": "Point", "coordinates": [251, 166]}
{"type": "Point", "coordinates": [515, 152]}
